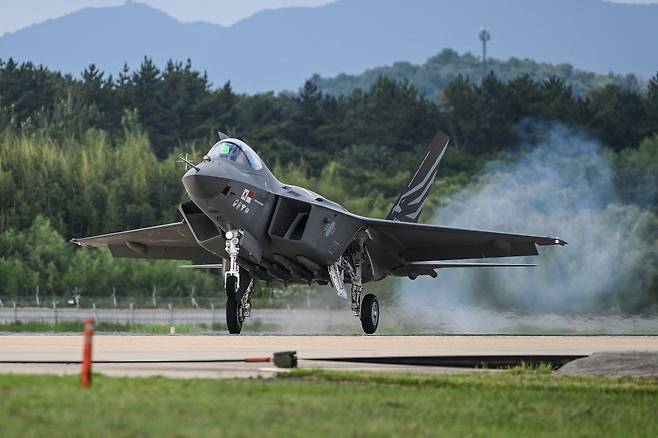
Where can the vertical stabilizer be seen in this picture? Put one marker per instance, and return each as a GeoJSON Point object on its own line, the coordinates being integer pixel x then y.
{"type": "Point", "coordinates": [410, 202]}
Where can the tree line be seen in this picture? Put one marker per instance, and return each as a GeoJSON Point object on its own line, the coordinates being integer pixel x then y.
{"type": "Point", "coordinates": [80, 156]}
{"type": "Point", "coordinates": [177, 105]}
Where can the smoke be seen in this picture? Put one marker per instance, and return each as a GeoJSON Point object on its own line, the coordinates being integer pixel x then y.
{"type": "Point", "coordinates": [562, 186]}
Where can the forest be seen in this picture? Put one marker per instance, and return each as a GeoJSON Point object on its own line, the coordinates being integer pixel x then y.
{"type": "Point", "coordinates": [431, 77]}
{"type": "Point", "coordinates": [97, 153]}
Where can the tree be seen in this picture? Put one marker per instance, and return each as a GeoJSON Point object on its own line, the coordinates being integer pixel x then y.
{"type": "Point", "coordinates": [651, 106]}
{"type": "Point", "coordinates": [616, 113]}
{"type": "Point", "coordinates": [306, 117]}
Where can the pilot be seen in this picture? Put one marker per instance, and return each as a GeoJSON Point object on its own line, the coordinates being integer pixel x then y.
{"type": "Point", "coordinates": [225, 150]}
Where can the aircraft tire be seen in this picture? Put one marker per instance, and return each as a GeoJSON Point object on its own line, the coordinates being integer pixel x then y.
{"type": "Point", "coordinates": [230, 286]}
{"type": "Point", "coordinates": [234, 316]}
{"type": "Point", "coordinates": [369, 314]}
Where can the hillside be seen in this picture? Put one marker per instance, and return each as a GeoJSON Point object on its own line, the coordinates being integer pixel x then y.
{"type": "Point", "coordinates": [279, 49]}
{"type": "Point", "coordinates": [438, 71]}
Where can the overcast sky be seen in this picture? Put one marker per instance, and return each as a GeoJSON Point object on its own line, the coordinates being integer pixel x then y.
{"type": "Point", "coordinates": [16, 14]}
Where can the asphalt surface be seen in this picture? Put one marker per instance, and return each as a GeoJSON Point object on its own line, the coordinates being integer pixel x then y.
{"type": "Point", "coordinates": [614, 364]}
{"type": "Point", "coordinates": [174, 356]}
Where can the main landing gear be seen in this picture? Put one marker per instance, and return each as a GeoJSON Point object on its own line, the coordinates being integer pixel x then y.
{"type": "Point", "coordinates": [238, 285]}
{"type": "Point", "coordinates": [367, 310]}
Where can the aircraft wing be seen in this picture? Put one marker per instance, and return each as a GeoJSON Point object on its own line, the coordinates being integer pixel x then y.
{"type": "Point", "coordinates": [170, 242]}
{"type": "Point", "coordinates": [419, 242]}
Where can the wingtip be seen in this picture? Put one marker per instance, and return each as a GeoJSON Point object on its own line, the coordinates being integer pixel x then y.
{"type": "Point", "coordinates": [557, 241]}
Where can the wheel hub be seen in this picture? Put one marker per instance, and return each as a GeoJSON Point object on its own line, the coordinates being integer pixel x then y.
{"type": "Point", "coordinates": [374, 314]}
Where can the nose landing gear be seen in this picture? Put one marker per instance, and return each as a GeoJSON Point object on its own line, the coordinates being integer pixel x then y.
{"type": "Point", "coordinates": [238, 285]}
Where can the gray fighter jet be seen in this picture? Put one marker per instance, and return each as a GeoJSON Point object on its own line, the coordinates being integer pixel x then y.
{"type": "Point", "coordinates": [242, 219]}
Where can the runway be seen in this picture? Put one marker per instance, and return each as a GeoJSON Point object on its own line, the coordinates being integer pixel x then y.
{"type": "Point", "coordinates": [40, 348]}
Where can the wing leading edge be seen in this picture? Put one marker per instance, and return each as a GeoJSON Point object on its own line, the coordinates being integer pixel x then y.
{"type": "Point", "coordinates": [169, 242]}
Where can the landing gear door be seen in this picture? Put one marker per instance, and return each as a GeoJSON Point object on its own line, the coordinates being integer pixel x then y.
{"type": "Point", "coordinates": [329, 233]}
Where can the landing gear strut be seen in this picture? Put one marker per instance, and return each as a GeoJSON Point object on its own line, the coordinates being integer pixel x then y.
{"type": "Point", "coordinates": [232, 269]}
{"type": "Point", "coordinates": [238, 285]}
{"type": "Point", "coordinates": [367, 310]}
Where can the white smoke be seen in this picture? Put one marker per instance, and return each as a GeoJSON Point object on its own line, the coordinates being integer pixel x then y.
{"type": "Point", "coordinates": [561, 187]}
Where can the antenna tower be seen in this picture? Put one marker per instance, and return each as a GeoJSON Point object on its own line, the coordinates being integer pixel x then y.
{"type": "Point", "coordinates": [485, 36]}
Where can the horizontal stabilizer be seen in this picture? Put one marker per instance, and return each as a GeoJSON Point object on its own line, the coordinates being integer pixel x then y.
{"type": "Point", "coordinates": [211, 266]}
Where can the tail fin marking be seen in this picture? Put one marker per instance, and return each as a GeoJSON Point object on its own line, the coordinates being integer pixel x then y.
{"type": "Point", "coordinates": [410, 203]}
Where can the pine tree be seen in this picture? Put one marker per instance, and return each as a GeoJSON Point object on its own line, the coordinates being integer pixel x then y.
{"type": "Point", "coordinates": [651, 106]}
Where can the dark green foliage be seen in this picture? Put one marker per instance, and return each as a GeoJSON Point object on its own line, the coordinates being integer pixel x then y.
{"type": "Point", "coordinates": [651, 105]}
{"type": "Point", "coordinates": [613, 103]}
{"type": "Point", "coordinates": [485, 118]}
{"type": "Point", "coordinates": [177, 105]}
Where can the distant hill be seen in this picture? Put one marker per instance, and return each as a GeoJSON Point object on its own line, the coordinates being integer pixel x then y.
{"type": "Point", "coordinates": [430, 78]}
{"type": "Point", "coordinates": [279, 49]}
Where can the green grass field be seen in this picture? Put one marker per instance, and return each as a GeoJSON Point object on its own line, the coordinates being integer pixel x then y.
{"type": "Point", "coordinates": [78, 327]}
{"type": "Point", "coordinates": [189, 329]}
{"type": "Point", "coordinates": [512, 403]}
{"type": "Point", "coordinates": [113, 327]}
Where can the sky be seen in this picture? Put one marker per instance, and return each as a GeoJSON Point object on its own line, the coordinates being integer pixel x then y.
{"type": "Point", "coordinates": [16, 14]}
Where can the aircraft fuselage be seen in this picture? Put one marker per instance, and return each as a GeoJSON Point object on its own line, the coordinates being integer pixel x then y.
{"type": "Point", "coordinates": [290, 233]}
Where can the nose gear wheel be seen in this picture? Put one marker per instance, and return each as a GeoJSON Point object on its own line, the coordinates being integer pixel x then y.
{"type": "Point", "coordinates": [234, 315]}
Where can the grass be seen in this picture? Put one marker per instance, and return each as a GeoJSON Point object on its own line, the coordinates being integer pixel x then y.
{"type": "Point", "coordinates": [523, 402]}
{"type": "Point", "coordinates": [113, 327]}
{"type": "Point", "coordinates": [78, 326]}
{"type": "Point", "coordinates": [255, 326]}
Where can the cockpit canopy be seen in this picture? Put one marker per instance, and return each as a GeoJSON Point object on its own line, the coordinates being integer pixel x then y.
{"type": "Point", "coordinates": [236, 151]}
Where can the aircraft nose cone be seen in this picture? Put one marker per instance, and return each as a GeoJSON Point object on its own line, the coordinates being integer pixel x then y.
{"type": "Point", "coordinates": [202, 186]}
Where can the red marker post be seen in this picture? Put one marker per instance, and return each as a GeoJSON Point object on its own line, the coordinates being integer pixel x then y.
{"type": "Point", "coordinates": [85, 375]}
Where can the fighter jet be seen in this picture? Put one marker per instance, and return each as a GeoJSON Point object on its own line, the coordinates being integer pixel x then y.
{"type": "Point", "coordinates": [242, 219]}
